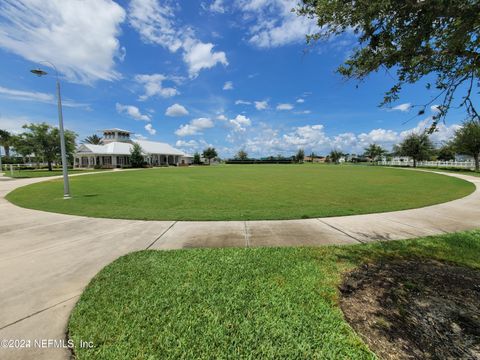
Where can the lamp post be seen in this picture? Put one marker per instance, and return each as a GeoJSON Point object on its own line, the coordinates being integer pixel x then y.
{"type": "Point", "coordinates": [66, 185]}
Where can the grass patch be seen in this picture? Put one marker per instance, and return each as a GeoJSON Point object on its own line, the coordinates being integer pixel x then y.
{"type": "Point", "coordinates": [237, 303]}
{"type": "Point", "coordinates": [25, 174]}
{"type": "Point", "coordinates": [243, 192]}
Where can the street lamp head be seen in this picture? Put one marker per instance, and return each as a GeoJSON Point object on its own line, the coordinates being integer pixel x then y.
{"type": "Point", "coordinates": [38, 72]}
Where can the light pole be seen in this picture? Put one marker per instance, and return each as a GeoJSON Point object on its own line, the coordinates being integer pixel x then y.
{"type": "Point", "coordinates": [66, 185]}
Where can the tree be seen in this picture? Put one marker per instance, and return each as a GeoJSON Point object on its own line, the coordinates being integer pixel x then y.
{"type": "Point", "coordinates": [446, 153]}
{"type": "Point", "coordinates": [196, 158]}
{"type": "Point", "coordinates": [92, 139]}
{"type": "Point", "coordinates": [44, 141]}
{"type": "Point", "coordinates": [209, 153]}
{"type": "Point", "coordinates": [467, 140]}
{"type": "Point", "coordinates": [136, 156]}
{"type": "Point", "coordinates": [23, 145]}
{"type": "Point", "coordinates": [312, 156]}
{"type": "Point", "coordinates": [417, 146]}
{"type": "Point", "coordinates": [374, 151]}
{"type": "Point", "coordinates": [241, 155]}
{"type": "Point", "coordinates": [416, 39]}
{"type": "Point", "coordinates": [335, 156]}
{"type": "Point", "coordinates": [5, 141]}
{"type": "Point", "coordinates": [300, 155]}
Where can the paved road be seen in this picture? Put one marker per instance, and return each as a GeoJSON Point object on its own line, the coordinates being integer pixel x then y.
{"type": "Point", "coordinates": [47, 259]}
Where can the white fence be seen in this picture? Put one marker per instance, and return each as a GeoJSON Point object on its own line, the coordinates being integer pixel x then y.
{"type": "Point", "coordinates": [437, 164]}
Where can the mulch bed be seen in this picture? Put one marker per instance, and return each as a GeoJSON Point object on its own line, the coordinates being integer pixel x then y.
{"type": "Point", "coordinates": [415, 309]}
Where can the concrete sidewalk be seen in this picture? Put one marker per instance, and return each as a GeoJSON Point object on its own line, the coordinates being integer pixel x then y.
{"type": "Point", "coordinates": [47, 259]}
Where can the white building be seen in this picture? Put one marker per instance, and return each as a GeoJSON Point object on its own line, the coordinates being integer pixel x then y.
{"type": "Point", "coordinates": [114, 152]}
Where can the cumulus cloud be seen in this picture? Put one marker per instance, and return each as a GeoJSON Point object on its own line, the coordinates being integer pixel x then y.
{"type": "Point", "coordinates": [402, 107]}
{"type": "Point", "coordinates": [79, 37]}
{"type": "Point", "coordinates": [199, 55]}
{"type": "Point", "coordinates": [228, 85]}
{"type": "Point", "coordinates": [150, 129]}
{"type": "Point", "coordinates": [132, 111]}
{"type": "Point", "coordinates": [176, 110]}
{"type": "Point", "coordinates": [261, 105]}
{"type": "Point", "coordinates": [217, 6]}
{"type": "Point", "coordinates": [240, 123]}
{"type": "Point", "coordinates": [195, 127]}
{"type": "Point", "coordinates": [183, 143]}
{"type": "Point", "coordinates": [284, 107]}
{"type": "Point", "coordinates": [265, 140]}
{"type": "Point", "coordinates": [274, 24]}
{"type": "Point", "coordinates": [153, 86]}
{"type": "Point", "coordinates": [156, 24]}
{"type": "Point", "coordinates": [222, 117]}
{"type": "Point", "coordinates": [300, 101]}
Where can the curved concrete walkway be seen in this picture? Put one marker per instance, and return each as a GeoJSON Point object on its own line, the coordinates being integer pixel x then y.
{"type": "Point", "coordinates": [47, 259]}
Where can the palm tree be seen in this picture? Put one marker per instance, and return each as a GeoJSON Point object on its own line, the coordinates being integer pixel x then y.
{"type": "Point", "coordinates": [5, 141]}
{"type": "Point", "coordinates": [335, 156]}
{"type": "Point", "coordinates": [92, 139]}
{"type": "Point", "coordinates": [374, 151]}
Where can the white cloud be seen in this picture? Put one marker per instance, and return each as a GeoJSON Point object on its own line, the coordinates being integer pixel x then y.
{"type": "Point", "coordinates": [284, 107]}
{"type": "Point", "coordinates": [217, 6]}
{"type": "Point", "coordinates": [274, 24]}
{"type": "Point", "coordinates": [140, 137]}
{"type": "Point", "coordinates": [265, 140]}
{"type": "Point", "coordinates": [176, 110]}
{"type": "Point", "coordinates": [79, 37]}
{"type": "Point", "coordinates": [228, 85]}
{"type": "Point", "coordinates": [156, 24]}
{"type": "Point", "coordinates": [150, 129]}
{"type": "Point", "coordinates": [39, 97]}
{"type": "Point", "coordinates": [199, 55]}
{"type": "Point", "coordinates": [183, 143]}
{"type": "Point", "coordinates": [222, 117]}
{"type": "Point", "coordinates": [243, 102]}
{"type": "Point", "coordinates": [303, 112]}
{"type": "Point", "coordinates": [261, 105]}
{"type": "Point", "coordinates": [153, 86]}
{"type": "Point", "coordinates": [132, 111]}
{"type": "Point", "coordinates": [240, 123]}
{"type": "Point", "coordinates": [300, 101]}
{"type": "Point", "coordinates": [14, 124]}
{"type": "Point", "coordinates": [195, 127]}
{"type": "Point", "coordinates": [402, 107]}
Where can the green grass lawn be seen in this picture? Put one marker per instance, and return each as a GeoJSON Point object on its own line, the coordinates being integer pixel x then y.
{"type": "Point", "coordinates": [256, 303]}
{"type": "Point", "coordinates": [243, 192]}
{"type": "Point", "coordinates": [23, 174]}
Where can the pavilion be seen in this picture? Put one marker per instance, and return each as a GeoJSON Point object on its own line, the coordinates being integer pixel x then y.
{"type": "Point", "coordinates": [115, 149]}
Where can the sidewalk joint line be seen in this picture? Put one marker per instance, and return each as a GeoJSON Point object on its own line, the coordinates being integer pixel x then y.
{"type": "Point", "coordinates": [343, 232]}
{"type": "Point", "coordinates": [39, 312]}
{"type": "Point", "coordinates": [158, 238]}
{"type": "Point", "coordinates": [247, 237]}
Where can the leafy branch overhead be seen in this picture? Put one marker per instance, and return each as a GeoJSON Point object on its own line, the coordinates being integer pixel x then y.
{"type": "Point", "coordinates": [415, 39]}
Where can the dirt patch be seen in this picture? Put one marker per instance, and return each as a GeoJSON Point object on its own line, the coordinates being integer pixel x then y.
{"type": "Point", "coordinates": [415, 309]}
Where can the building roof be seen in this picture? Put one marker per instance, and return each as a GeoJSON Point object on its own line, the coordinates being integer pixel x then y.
{"type": "Point", "coordinates": [123, 148]}
{"type": "Point", "coordinates": [117, 130]}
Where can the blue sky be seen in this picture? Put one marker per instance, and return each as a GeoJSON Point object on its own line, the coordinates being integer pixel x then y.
{"type": "Point", "coordinates": [231, 74]}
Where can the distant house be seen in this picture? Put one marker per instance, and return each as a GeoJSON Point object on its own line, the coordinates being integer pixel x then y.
{"type": "Point", "coordinates": [316, 159]}
{"type": "Point", "coordinates": [114, 152]}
